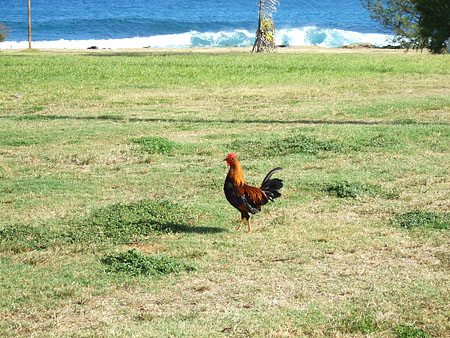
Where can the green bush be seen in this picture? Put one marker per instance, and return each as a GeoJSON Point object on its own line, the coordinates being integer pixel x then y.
{"type": "Point", "coordinates": [359, 322]}
{"type": "Point", "coordinates": [408, 331]}
{"type": "Point", "coordinates": [424, 219]}
{"type": "Point", "coordinates": [416, 23]}
{"type": "Point", "coordinates": [380, 141]}
{"type": "Point", "coordinates": [295, 144]}
{"type": "Point", "coordinates": [155, 145]}
{"type": "Point", "coordinates": [121, 223]}
{"type": "Point", "coordinates": [3, 32]}
{"type": "Point", "coordinates": [18, 238]}
{"type": "Point", "coordinates": [134, 263]}
{"type": "Point", "coordinates": [117, 223]}
{"type": "Point", "coordinates": [434, 23]}
{"type": "Point", "coordinates": [346, 189]}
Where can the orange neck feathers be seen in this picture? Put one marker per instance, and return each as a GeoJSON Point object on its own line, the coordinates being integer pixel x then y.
{"type": "Point", "coordinates": [236, 174]}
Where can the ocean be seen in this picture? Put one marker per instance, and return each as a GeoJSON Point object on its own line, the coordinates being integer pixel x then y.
{"type": "Point", "coordinates": [184, 23]}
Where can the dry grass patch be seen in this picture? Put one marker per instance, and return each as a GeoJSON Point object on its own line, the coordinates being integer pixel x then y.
{"type": "Point", "coordinates": [148, 248]}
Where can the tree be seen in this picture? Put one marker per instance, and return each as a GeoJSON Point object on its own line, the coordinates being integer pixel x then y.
{"type": "Point", "coordinates": [265, 34]}
{"type": "Point", "coordinates": [398, 15]}
{"type": "Point", "coordinates": [416, 24]}
{"type": "Point", "coordinates": [3, 32]}
{"type": "Point", "coordinates": [434, 23]}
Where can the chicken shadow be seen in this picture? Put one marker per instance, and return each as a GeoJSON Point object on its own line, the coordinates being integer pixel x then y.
{"type": "Point", "coordinates": [184, 228]}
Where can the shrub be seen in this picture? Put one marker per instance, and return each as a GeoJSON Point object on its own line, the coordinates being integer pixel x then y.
{"type": "Point", "coordinates": [19, 238]}
{"type": "Point", "coordinates": [359, 322]}
{"type": "Point", "coordinates": [434, 24]}
{"type": "Point", "coordinates": [156, 145]}
{"type": "Point", "coordinates": [408, 331]}
{"type": "Point", "coordinates": [415, 23]}
{"type": "Point", "coordinates": [134, 263]}
{"type": "Point", "coordinates": [424, 219]}
{"type": "Point", "coordinates": [3, 32]}
{"type": "Point", "coordinates": [346, 189]}
{"type": "Point", "coordinates": [294, 144]}
{"type": "Point", "coordinates": [120, 223]}
{"type": "Point", "coordinates": [117, 223]}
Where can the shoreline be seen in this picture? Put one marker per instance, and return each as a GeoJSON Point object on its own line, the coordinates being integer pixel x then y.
{"type": "Point", "coordinates": [296, 36]}
{"type": "Point", "coordinates": [354, 48]}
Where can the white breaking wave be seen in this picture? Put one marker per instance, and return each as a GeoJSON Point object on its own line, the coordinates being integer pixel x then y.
{"type": "Point", "coordinates": [313, 36]}
{"type": "Point", "coordinates": [162, 41]}
{"type": "Point", "coordinates": [305, 36]}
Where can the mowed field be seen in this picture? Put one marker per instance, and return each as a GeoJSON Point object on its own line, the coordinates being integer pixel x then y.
{"type": "Point", "coordinates": [114, 223]}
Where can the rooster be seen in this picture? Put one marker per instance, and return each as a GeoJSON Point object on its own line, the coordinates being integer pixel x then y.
{"type": "Point", "coordinates": [247, 199]}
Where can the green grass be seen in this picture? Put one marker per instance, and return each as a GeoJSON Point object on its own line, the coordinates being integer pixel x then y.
{"type": "Point", "coordinates": [113, 220]}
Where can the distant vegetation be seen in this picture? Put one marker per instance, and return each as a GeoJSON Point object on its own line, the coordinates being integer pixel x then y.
{"type": "Point", "coordinates": [417, 24]}
{"type": "Point", "coordinates": [3, 32]}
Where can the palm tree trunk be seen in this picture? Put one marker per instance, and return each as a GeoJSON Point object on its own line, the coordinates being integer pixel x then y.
{"type": "Point", "coordinates": [258, 40]}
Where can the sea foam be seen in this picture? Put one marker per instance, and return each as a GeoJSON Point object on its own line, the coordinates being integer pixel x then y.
{"type": "Point", "coordinates": [314, 36]}
{"type": "Point", "coordinates": [305, 36]}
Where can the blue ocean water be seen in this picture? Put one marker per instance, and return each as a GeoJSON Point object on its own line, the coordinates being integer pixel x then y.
{"type": "Point", "coordinates": [186, 23]}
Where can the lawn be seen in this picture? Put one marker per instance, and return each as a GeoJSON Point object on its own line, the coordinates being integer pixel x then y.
{"type": "Point", "coordinates": [113, 220]}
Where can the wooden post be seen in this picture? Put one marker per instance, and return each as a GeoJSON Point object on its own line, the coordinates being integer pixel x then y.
{"type": "Point", "coordinates": [29, 24]}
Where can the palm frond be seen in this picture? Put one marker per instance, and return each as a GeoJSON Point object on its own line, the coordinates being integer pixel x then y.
{"type": "Point", "coordinates": [269, 6]}
{"type": "Point", "coordinates": [265, 34]}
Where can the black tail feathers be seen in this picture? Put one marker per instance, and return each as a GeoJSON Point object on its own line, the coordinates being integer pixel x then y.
{"type": "Point", "coordinates": [272, 186]}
